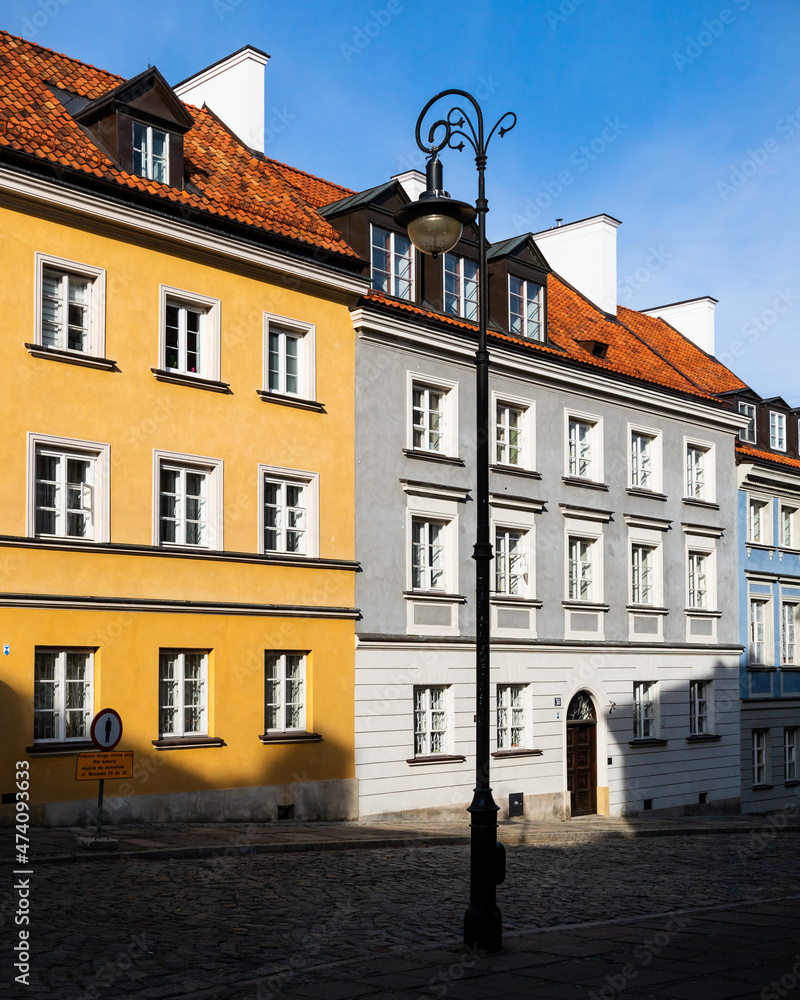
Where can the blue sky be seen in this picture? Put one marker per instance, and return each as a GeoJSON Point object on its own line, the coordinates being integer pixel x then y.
{"type": "Point", "coordinates": [680, 119]}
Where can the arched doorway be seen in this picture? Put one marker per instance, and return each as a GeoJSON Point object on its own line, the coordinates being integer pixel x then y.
{"type": "Point", "coordinates": [582, 755]}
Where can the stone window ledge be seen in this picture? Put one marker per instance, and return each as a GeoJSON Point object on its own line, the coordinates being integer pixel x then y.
{"type": "Point", "coordinates": [300, 737]}
{"type": "Point", "coordinates": [71, 357]}
{"type": "Point", "coordinates": [278, 397]}
{"type": "Point", "coordinates": [432, 456]}
{"type": "Point", "coordinates": [651, 742]}
{"type": "Point", "coordinates": [438, 758]}
{"type": "Point", "coordinates": [187, 742]}
{"type": "Point", "coordinates": [56, 748]}
{"type": "Point", "coordinates": [517, 752]}
{"type": "Point", "coordinates": [703, 738]}
{"type": "Point", "coordinates": [195, 381]}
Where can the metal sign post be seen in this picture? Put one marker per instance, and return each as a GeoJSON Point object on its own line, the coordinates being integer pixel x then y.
{"type": "Point", "coordinates": [105, 732]}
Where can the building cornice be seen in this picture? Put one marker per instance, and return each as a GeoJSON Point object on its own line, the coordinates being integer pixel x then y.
{"type": "Point", "coordinates": [559, 373]}
{"type": "Point", "coordinates": [72, 205]}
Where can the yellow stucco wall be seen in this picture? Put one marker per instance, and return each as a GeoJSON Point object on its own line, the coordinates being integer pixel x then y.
{"type": "Point", "coordinates": [133, 413]}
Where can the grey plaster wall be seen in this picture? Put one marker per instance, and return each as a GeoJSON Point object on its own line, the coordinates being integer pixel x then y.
{"type": "Point", "coordinates": [381, 422]}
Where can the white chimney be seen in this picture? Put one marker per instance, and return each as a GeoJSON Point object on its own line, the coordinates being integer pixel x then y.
{"type": "Point", "coordinates": [585, 254]}
{"type": "Point", "coordinates": [694, 318]}
{"type": "Point", "coordinates": [233, 89]}
{"type": "Point", "coordinates": [413, 183]}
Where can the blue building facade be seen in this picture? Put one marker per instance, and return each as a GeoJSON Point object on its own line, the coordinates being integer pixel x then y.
{"type": "Point", "coordinates": [768, 475]}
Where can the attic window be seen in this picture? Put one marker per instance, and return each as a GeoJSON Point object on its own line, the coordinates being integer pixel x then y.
{"type": "Point", "coordinates": [595, 347]}
{"type": "Point", "coordinates": [150, 153]}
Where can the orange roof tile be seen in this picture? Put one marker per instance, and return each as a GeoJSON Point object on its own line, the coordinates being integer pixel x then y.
{"type": "Point", "coordinates": [229, 181]}
{"type": "Point", "coordinates": [316, 191]}
{"type": "Point", "coordinates": [767, 456]}
{"type": "Point", "coordinates": [704, 370]}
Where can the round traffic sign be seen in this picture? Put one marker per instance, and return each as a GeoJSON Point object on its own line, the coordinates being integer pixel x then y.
{"type": "Point", "coordinates": [106, 729]}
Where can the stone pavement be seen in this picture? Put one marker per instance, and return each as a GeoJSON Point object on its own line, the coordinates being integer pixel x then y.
{"type": "Point", "coordinates": [592, 910]}
{"type": "Point", "coordinates": [56, 845]}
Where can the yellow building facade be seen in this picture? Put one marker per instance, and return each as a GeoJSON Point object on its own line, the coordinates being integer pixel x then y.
{"type": "Point", "coordinates": [176, 514]}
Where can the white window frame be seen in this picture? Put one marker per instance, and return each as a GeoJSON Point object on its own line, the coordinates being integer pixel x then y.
{"type": "Point", "coordinates": [539, 334]}
{"type": "Point", "coordinates": [749, 434]}
{"type": "Point", "coordinates": [449, 433]}
{"type": "Point", "coordinates": [595, 446]}
{"type": "Point", "coordinates": [656, 467]}
{"type": "Point", "coordinates": [96, 276]}
{"type": "Point", "coordinates": [213, 469]}
{"type": "Point", "coordinates": [759, 520]}
{"type": "Point", "coordinates": [777, 430]}
{"type": "Point", "coordinates": [643, 574]}
{"type": "Point", "coordinates": [527, 439]}
{"type": "Point", "coordinates": [96, 452]}
{"type": "Point", "coordinates": [504, 738]}
{"type": "Point", "coordinates": [759, 630]}
{"type": "Point", "coordinates": [523, 554]}
{"type": "Point", "coordinates": [789, 518]}
{"type": "Point", "coordinates": [306, 335]}
{"type": "Point", "coordinates": [701, 707]}
{"type": "Point", "coordinates": [461, 296]}
{"type": "Point", "coordinates": [393, 257]}
{"type": "Point", "coordinates": [708, 568]}
{"type": "Point", "coordinates": [149, 173]}
{"type": "Point", "coordinates": [645, 710]}
{"type": "Point", "coordinates": [703, 486]}
{"type": "Point", "coordinates": [210, 309]}
{"type": "Point", "coordinates": [294, 477]}
{"type": "Point", "coordinates": [429, 532]}
{"type": "Point", "coordinates": [282, 705]}
{"type": "Point", "coordinates": [60, 693]}
{"type": "Point", "coordinates": [429, 729]}
{"type": "Point", "coordinates": [789, 632]}
{"type": "Point", "coordinates": [790, 753]}
{"type": "Point", "coordinates": [181, 688]}
{"type": "Point", "coordinates": [760, 744]}
{"type": "Point", "coordinates": [576, 541]}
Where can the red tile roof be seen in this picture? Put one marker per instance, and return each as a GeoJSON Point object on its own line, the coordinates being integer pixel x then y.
{"type": "Point", "coordinates": [229, 181]}
{"type": "Point", "coordinates": [572, 319]}
{"type": "Point", "coordinates": [767, 456]}
{"type": "Point", "coordinates": [704, 370]}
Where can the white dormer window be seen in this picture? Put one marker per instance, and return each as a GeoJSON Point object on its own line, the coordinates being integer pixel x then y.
{"type": "Point", "coordinates": [748, 433]}
{"type": "Point", "coordinates": [150, 147]}
{"type": "Point", "coordinates": [525, 309]}
{"type": "Point", "coordinates": [392, 263]}
{"type": "Point", "coordinates": [777, 430]}
{"type": "Point", "coordinates": [460, 287]}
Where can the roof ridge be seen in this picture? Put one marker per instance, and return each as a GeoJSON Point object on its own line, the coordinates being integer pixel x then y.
{"type": "Point", "coordinates": [306, 173]}
{"type": "Point", "coordinates": [656, 351]}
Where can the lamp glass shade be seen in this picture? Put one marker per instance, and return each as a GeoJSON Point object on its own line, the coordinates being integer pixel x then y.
{"type": "Point", "coordinates": [435, 233]}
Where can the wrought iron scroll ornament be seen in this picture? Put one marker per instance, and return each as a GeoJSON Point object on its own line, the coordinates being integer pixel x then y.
{"type": "Point", "coordinates": [453, 126]}
{"type": "Point", "coordinates": [581, 708]}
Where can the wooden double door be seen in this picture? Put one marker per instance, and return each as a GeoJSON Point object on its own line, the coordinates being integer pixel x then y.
{"type": "Point", "coordinates": [582, 755]}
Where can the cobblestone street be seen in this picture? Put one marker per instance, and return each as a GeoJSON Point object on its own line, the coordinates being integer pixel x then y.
{"type": "Point", "coordinates": [324, 924]}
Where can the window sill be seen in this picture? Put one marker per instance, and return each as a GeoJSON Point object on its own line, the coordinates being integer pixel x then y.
{"type": "Point", "coordinates": [438, 758]}
{"type": "Point", "coordinates": [515, 470]}
{"type": "Point", "coordinates": [651, 609]}
{"type": "Point", "coordinates": [701, 613]}
{"type": "Point", "coordinates": [507, 601]}
{"type": "Point", "coordinates": [56, 748]}
{"type": "Point", "coordinates": [433, 595]}
{"type": "Point", "coordinates": [187, 742]}
{"type": "Point", "coordinates": [703, 738]}
{"type": "Point", "coordinates": [792, 783]}
{"type": "Point", "coordinates": [789, 550]}
{"type": "Point", "coordinates": [71, 357]}
{"type": "Point", "coordinates": [517, 752]}
{"type": "Point", "coordinates": [697, 502]}
{"type": "Point", "coordinates": [278, 397]}
{"type": "Point", "coordinates": [590, 484]}
{"type": "Point", "coordinates": [585, 606]}
{"type": "Point", "coordinates": [788, 667]}
{"type": "Point", "coordinates": [651, 742]}
{"type": "Point", "coordinates": [764, 546]}
{"type": "Point", "coordinates": [432, 456]}
{"type": "Point", "coordinates": [760, 668]}
{"type": "Point", "coordinates": [638, 491]}
{"type": "Point", "coordinates": [762, 788]}
{"type": "Point", "coordinates": [290, 737]}
{"type": "Point", "coordinates": [195, 381]}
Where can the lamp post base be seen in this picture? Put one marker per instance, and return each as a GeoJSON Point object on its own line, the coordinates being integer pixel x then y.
{"type": "Point", "coordinates": [483, 928]}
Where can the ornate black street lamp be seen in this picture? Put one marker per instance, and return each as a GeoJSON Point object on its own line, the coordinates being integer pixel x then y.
{"type": "Point", "coordinates": [434, 225]}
